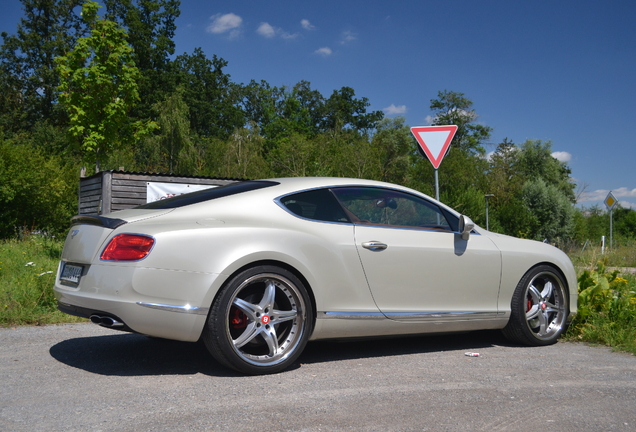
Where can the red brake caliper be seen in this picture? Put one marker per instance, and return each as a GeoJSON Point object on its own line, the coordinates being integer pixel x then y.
{"type": "Point", "coordinates": [238, 320]}
{"type": "Point", "coordinates": [529, 305]}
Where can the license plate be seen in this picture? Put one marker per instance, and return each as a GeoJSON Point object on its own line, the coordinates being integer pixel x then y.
{"type": "Point", "coordinates": [71, 274]}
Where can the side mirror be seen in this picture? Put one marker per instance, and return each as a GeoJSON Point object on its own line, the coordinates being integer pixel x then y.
{"type": "Point", "coordinates": [465, 226]}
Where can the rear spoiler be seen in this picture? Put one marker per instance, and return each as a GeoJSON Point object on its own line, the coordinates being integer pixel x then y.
{"type": "Point", "coordinates": [101, 221]}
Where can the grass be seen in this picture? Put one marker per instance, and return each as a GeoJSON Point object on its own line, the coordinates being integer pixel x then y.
{"type": "Point", "coordinates": [607, 296]}
{"type": "Point", "coordinates": [27, 274]}
{"type": "Point", "coordinates": [623, 255]}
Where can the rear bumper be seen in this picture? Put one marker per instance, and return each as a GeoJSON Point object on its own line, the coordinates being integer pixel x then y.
{"type": "Point", "coordinates": [154, 302]}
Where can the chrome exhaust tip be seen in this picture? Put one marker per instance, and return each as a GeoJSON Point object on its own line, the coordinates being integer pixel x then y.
{"type": "Point", "coordinates": [111, 322]}
{"type": "Point", "coordinates": [106, 321]}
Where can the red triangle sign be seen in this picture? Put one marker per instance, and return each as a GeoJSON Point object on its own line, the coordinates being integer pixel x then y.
{"type": "Point", "coordinates": [434, 140]}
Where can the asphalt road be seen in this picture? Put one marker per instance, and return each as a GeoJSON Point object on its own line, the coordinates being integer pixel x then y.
{"type": "Point", "coordinates": [80, 377]}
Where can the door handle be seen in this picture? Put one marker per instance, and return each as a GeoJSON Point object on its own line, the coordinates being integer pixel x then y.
{"type": "Point", "coordinates": [374, 245]}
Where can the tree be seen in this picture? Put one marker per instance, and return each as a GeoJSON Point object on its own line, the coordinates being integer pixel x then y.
{"type": "Point", "coordinates": [551, 213]}
{"type": "Point", "coordinates": [451, 108]}
{"type": "Point", "coordinates": [625, 222]}
{"type": "Point", "coordinates": [535, 160]}
{"type": "Point", "coordinates": [28, 78]}
{"type": "Point", "coordinates": [343, 110]}
{"type": "Point", "coordinates": [392, 143]}
{"type": "Point", "coordinates": [173, 140]}
{"type": "Point", "coordinates": [504, 179]}
{"type": "Point", "coordinates": [242, 155]}
{"type": "Point", "coordinates": [99, 88]}
{"type": "Point", "coordinates": [37, 191]}
{"type": "Point", "coordinates": [212, 98]}
{"type": "Point", "coordinates": [151, 26]}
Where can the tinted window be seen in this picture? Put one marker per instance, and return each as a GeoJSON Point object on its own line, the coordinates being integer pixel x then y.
{"type": "Point", "coordinates": [317, 204]}
{"type": "Point", "coordinates": [208, 194]}
{"type": "Point", "coordinates": [376, 206]}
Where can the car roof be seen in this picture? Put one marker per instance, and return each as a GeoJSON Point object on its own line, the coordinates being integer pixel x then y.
{"type": "Point", "coordinates": [292, 184]}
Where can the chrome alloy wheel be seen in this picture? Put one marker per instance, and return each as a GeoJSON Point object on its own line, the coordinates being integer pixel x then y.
{"type": "Point", "coordinates": [545, 305]}
{"type": "Point", "coordinates": [266, 319]}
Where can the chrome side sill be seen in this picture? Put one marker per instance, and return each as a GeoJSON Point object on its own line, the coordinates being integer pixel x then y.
{"type": "Point", "coordinates": [351, 315]}
{"type": "Point", "coordinates": [411, 316]}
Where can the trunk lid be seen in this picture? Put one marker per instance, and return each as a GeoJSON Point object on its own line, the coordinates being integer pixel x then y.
{"type": "Point", "coordinates": [88, 233]}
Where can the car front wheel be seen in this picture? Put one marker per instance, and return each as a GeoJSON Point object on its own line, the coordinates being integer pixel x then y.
{"type": "Point", "coordinates": [260, 321]}
{"type": "Point", "coordinates": [539, 308]}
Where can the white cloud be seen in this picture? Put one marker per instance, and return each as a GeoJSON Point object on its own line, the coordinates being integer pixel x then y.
{"type": "Point", "coordinates": [307, 25]}
{"type": "Point", "coordinates": [392, 109]}
{"type": "Point", "coordinates": [562, 156]}
{"type": "Point", "coordinates": [224, 23]}
{"type": "Point", "coordinates": [429, 119]}
{"type": "Point", "coordinates": [325, 52]}
{"type": "Point", "coordinates": [286, 35]}
{"type": "Point", "coordinates": [601, 194]}
{"type": "Point", "coordinates": [348, 37]}
{"type": "Point", "coordinates": [624, 192]}
{"type": "Point", "coordinates": [266, 30]}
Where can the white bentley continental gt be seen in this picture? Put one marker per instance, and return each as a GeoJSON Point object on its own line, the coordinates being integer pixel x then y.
{"type": "Point", "coordinates": [256, 269]}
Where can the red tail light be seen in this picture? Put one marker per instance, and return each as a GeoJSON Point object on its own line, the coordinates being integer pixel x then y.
{"type": "Point", "coordinates": [128, 247]}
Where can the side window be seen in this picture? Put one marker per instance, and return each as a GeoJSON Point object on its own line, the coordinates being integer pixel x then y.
{"type": "Point", "coordinates": [319, 204]}
{"type": "Point", "coordinates": [377, 206]}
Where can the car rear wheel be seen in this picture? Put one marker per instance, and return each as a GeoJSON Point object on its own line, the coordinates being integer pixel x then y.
{"type": "Point", "coordinates": [539, 308]}
{"type": "Point", "coordinates": [260, 321]}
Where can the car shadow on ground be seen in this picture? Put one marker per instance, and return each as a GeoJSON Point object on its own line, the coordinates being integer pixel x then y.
{"type": "Point", "coordinates": [129, 354]}
{"type": "Point", "coordinates": [325, 351]}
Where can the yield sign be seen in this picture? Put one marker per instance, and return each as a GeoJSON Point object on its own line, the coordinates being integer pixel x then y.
{"type": "Point", "coordinates": [434, 140]}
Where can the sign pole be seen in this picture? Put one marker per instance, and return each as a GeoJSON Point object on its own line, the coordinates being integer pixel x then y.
{"type": "Point", "coordinates": [611, 202]}
{"type": "Point", "coordinates": [436, 185]}
{"type": "Point", "coordinates": [611, 229]}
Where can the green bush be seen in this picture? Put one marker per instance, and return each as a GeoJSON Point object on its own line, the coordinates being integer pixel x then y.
{"type": "Point", "coordinates": [606, 309]}
{"type": "Point", "coordinates": [37, 190]}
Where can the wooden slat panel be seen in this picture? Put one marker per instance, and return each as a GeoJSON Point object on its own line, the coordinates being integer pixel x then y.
{"type": "Point", "coordinates": [88, 208]}
{"type": "Point", "coordinates": [139, 190]}
{"type": "Point", "coordinates": [96, 180]}
{"type": "Point", "coordinates": [89, 203]}
{"type": "Point", "coordinates": [134, 195]}
{"type": "Point", "coordinates": [132, 201]}
{"type": "Point", "coordinates": [97, 192]}
{"type": "Point", "coordinates": [138, 183]}
{"type": "Point", "coordinates": [90, 187]}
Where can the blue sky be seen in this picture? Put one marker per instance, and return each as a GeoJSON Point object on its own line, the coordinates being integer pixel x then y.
{"type": "Point", "coordinates": [561, 71]}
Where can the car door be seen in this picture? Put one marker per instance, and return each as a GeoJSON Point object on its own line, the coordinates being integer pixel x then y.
{"type": "Point", "coordinates": [417, 266]}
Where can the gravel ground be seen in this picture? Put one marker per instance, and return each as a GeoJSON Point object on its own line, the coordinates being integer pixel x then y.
{"type": "Point", "coordinates": [80, 377]}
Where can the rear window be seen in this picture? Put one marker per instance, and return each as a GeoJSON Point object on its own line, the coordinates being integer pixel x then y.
{"type": "Point", "coordinates": [319, 204]}
{"type": "Point", "coordinates": [208, 194]}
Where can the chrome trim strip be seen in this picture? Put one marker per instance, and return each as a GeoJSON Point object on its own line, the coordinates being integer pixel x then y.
{"type": "Point", "coordinates": [445, 316]}
{"type": "Point", "coordinates": [351, 315]}
{"type": "Point", "coordinates": [175, 308]}
{"type": "Point", "coordinates": [410, 316]}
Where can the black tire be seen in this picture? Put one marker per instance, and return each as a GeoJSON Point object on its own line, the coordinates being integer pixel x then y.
{"type": "Point", "coordinates": [260, 321]}
{"type": "Point", "coordinates": [539, 308]}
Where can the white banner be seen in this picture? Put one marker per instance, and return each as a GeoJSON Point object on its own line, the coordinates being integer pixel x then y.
{"type": "Point", "coordinates": [158, 191]}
